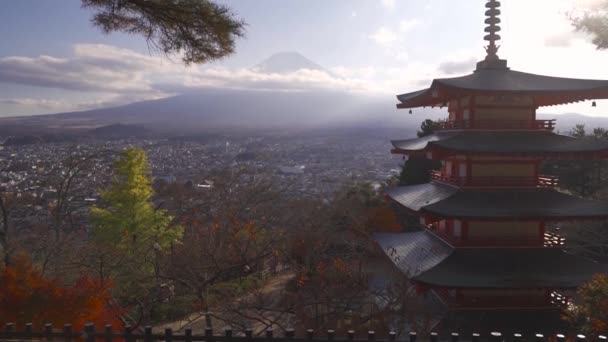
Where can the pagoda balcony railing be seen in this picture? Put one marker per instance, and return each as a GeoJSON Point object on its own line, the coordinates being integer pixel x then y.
{"type": "Point", "coordinates": [543, 181]}
{"type": "Point", "coordinates": [498, 301]}
{"type": "Point", "coordinates": [548, 125]}
{"type": "Point", "coordinates": [560, 299]}
{"type": "Point", "coordinates": [549, 240]}
{"type": "Point", "coordinates": [554, 240]}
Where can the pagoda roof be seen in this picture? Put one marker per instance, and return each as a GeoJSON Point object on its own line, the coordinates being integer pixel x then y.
{"type": "Point", "coordinates": [547, 90]}
{"type": "Point", "coordinates": [500, 142]}
{"type": "Point", "coordinates": [426, 259]}
{"type": "Point", "coordinates": [511, 268]}
{"type": "Point", "coordinates": [418, 197]}
{"type": "Point", "coordinates": [413, 253]}
{"type": "Point", "coordinates": [447, 201]}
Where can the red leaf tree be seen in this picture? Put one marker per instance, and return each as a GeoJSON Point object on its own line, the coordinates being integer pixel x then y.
{"type": "Point", "coordinates": [26, 296]}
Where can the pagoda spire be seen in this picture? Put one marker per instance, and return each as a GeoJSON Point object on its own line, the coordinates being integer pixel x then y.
{"type": "Point", "coordinates": [492, 29]}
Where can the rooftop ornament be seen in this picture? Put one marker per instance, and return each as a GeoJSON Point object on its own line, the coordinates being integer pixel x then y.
{"type": "Point", "coordinates": [492, 60]}
{"type": "Point", "coordinates": [492, 13]}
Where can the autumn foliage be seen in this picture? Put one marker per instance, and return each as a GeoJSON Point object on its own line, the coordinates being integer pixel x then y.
{"type": "Point", "coordinates": [382, 218]}
{"type": "Point", "coordinates": [590, 314]}
{"type": "Point", "coordinates": [26, 296]}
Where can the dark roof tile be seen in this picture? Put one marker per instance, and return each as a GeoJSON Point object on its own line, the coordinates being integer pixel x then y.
{"type": "Point", "coordinates": [447, 201]}
{"type": "Point", "coordinates": [511, 268]}
{"type": "Point", "coordinates": [502, 142]}
{"type": "Point", "coordinates": [413, 253]}
{"type": "Point", "coordinates": [415, 197]}
{"type": "Point", "coordinates": [423, 257]}
{"type": "Point", "coordinates": [518, 204]}
{"type": "Point", "coordinates": [547, 90]}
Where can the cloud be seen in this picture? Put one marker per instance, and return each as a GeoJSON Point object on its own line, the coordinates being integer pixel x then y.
{"type": "Point", "coordinates": [42, 103]}
{"type": "Point", "coordinates": [457, 67]}
{"type": "Point", "coordinates": [408, 25]}
{"type": "Point", "coordinates": [564, 40]}
{"type": "Point", "coordinates": [47, 105]}
{"type": "Point", "coordinates": [125, 73]}
{"type": "Point", "coordinates": [389, 4]}
{"type": "Point", "coordinates": [383, 36]}
{"type": "Point", "coordinates": [91, 68]}
{"type": "Point", "coordinates": [109, 76]}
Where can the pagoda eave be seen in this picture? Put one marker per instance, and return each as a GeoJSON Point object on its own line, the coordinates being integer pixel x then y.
{"type": "Point", "coordinates": [439, 154]}
{"type": "Point", "coordinates": [427, 285]}
{"type": "Point", "coordinates": [517, 268]}
{"type": "Point", "coordinates": [546, 90]}
{"type": "Point", "coordinates": [434, 217]}
{"type": "Point", "coordinates": [541, 99]}
{"type": "Point", "coordinates": [511, 143]}
{"type": "Point", "coordinates": [437, 200]}
{"type": "Point", "coordinates": [427, 260]}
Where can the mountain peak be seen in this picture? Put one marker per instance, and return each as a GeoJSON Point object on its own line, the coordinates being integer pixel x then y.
{"type": "Point", "coordinates": [286, 62]}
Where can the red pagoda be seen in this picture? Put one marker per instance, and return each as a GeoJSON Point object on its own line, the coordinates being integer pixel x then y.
{"type": "Point", "coordinates": [484, 252]}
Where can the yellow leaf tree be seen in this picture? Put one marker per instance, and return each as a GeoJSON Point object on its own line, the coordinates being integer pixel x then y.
{"type": "Point", "coordinates": [129, 219]}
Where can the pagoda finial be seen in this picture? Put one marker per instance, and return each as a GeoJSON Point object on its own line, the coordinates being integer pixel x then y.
{"type": "Point", "coordinates": [492, 21]}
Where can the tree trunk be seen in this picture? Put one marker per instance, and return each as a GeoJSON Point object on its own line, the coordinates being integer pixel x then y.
{"type": "Point", "coordinates": [6, 257]}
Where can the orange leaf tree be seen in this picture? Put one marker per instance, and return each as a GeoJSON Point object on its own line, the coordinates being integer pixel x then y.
{"type": "Point", "coordinates": [26, 296]}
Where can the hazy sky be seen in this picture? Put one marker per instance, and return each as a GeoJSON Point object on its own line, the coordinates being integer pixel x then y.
{"type": "Point", "coordinates": [53, 60]}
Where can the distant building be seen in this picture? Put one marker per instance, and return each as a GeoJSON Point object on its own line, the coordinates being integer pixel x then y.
{"type": "Point", "coordinates": [166, 178]}
{"type": "Point", "coordinates": [207, 184]}
{"type": "Point", "coordinates": [292, 170]}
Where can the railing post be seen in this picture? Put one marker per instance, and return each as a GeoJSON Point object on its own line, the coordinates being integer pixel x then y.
{"type": "Point", "coordinates": [371, 335]}
{"type": "Point", "coordinates": [48, 331]}
{"type": "Point", "coordinates": [351, 335]}
{"type": "Point", "coordinates": [434, 337]}
{"type": "Point", "coordinates": [290, 334]}
{"type": "Point", "coordinates": [413, 336]}
{"type": "Point", "coordinates": [539, 337]}
{"type": "Point", "coordinates": [475, 337]}
{"type": "Point", "coordinates": [208, 334]}
{"type": "Point", "coordinates": [108, 333]}
{"type": "Point", "coordinates": [249, 333]}
{"type": "Point", "coordinates": [517, 337]}
{"type": "Point", "coordinates": [208, 320]}
{"type": "Point", "coordinates": [496, 336]}
{"type": "Point", "coordinates": [580, 338]}
{"type": "Point", "coordinates": [168, 335]}
{"type": "Point", "coordinates": [310, 334]}
{"type": "Point", "coordinates": [228, 332]}
{"type": "Point", "coordinates": [67, 332]}
{"type": "Point", "coordinates": [392, 336]}
{"type": "Point", "coordinates": [89, 329]}
{"type": "Point", "coordinates": [28, 331]}
{"type": "Point", "coordinates": [455, 337]}
{"type": "Point", "coordinates": [188, 335]}
{"type": "Point", "coordinates": [127, 333]}
{"type": "Point", "coordinates": [9, 328]}
{"type": "Point", "coordinates": [269, 333]}
{"type": "Point", "coordinates": [148, 334]}
{"type": "Point", "coordinates": [331, 334]}
{"type": "Point", "coordinates": [561, 337]}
